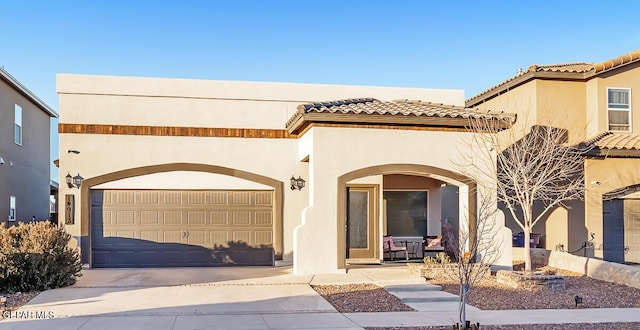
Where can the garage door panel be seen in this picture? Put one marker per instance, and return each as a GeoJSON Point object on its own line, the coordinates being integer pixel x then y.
{"type": "Point", "coordinates": [172, 217]}
{"type": "Point", "coordinates": [126, 197]}
{"type": "Point", "coordinates": [263, 237]}
{"type": "Point", "coordinates": [149, 218]}
{"type": "Point", "coordinates": [241, 236]}
{"type": "Point", "coordinates": [263, 198]}
{"type": "Point", "coordinates": [172, 197]}
{"type": "Point", "coordinates": [181, 228]}
{"type": "Point", "coordinates": [264, 218]}
{"type": "Point", "coordinates": [219, 218]}
{"type": "Point", "coordinates": [218, 197]}
{"type": "Point", "coordinates": [197, 217]}
{"type": "Point", "coordinates": [218, 237]}
{"type": "Point", "coordinates": [125, 217]}
{"type": "Point", "coordinates": [241, 198]}
{"type": "Point", "coordinates": [242, 218]}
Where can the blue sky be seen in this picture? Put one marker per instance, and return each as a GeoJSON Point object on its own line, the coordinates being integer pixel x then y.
{"type": "Point", "coordinates": [469, 45]}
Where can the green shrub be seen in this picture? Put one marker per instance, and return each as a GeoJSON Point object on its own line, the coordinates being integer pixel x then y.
{"type": "Point", "coordinates": [36, 256]}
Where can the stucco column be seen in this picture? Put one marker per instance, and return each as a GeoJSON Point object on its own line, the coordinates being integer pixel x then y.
{"type": "Point", "coordinates": [315, 239]}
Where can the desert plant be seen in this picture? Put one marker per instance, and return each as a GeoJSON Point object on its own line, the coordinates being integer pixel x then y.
{"type": "Point", "coordinates": [36, 256]}
{"type": "Point", "coordinates": [440, 258]}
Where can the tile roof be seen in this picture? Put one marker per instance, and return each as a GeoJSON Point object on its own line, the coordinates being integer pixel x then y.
{"type": "Point", "coordinates": [568, 67]}
{"type": "Point", "coordinates": [397, 108]}
{"type": "Point", "coordinates": [578, 70]}
{"type": "Point", "coordinates": [620, 141]}
{"type": "Point", "coordinates": [618, 61]}
{"type": "Point", "coordinates": [615, 145]}
{"type": "Point", "coordinates": [401, 108]}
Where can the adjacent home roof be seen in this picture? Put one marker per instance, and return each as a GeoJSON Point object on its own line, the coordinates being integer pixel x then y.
{"type": "Point", "coordinates": [610, 144]}
{"type": "Point", "coordinates": [13, 82]}
{"type": "Point", "coordinates": [398, 112]}
{"type": "Point", "coordinates": [566, 71]}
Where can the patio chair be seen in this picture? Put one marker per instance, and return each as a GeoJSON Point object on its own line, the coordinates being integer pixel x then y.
{"type": "Point", "coordinates": [388, 246]}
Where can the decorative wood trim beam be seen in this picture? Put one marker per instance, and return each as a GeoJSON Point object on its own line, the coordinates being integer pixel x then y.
{"type": "Point", "coordinates": [175, 131]}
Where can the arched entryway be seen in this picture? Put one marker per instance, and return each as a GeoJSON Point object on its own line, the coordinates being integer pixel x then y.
{"type": "Point", "coordinates": [264, 208]}
{"type": "Point", "coordinates": [449, 177]}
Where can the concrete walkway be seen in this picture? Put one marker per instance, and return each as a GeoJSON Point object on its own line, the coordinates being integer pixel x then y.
{"type": "Point", "coordinates": [257, 298]}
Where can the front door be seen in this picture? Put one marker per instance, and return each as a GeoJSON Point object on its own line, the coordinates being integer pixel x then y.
{"type": "Point", "coordinates": [362, 224]}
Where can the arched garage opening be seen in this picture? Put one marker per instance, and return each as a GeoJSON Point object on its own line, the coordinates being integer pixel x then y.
{"type": "Point", "coordinates": [467, 188]}
{"type": "Point", "coordinates": [157, 228]}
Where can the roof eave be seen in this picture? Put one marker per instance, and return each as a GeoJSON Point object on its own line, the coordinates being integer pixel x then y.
{"type": "Point", "coordinates": [299, 123]}
{"type": "Point", "coordinates": [523, 79]}
{"type": "Point", "coordinates": [6, 76]}
{"type": "Point", "coordinates": [613, 153]}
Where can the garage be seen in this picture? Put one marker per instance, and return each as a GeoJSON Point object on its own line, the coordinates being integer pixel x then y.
{"type": "Point", "coordinates": [621, 230]}
{"type": "Point", "coordinates": [181, 228]}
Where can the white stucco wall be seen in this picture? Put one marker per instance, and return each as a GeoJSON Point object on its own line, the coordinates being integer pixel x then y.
{"type": "Point", "coordinates": [309, 214]}
{"type": "Point", "coordinates": [184, 180]}
{"type": "Point", "coordinates": [337, 151]}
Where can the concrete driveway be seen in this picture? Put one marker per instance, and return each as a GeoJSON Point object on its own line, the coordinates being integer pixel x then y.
{"type": "Point", "coordinates": [192, 298]}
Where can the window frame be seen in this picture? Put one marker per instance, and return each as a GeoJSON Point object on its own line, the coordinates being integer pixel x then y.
{"type": "Point", "coordinates": [17, 127]}
{"type": "Point", "coordinates": [628, 110]}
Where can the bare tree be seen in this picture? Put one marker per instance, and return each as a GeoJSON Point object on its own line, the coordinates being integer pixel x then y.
{"type": "Point", "coordinates": [475, 249]}
{"type": "Point", "coordinates": [531, 167]}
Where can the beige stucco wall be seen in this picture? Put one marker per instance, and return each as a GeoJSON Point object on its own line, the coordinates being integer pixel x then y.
{"type": "Point", "coordinates": [204, 103]}
{"type": "Point", "coordinates": [562, 104]}
{"type": "Point", "coordinates": [309, 215]}
{"type": "Point", "coordinates": [521, 100]}
{"type": "Point", "coordinates": [358, 149]}
{"type": "Point", "coordinates": [627, 78]}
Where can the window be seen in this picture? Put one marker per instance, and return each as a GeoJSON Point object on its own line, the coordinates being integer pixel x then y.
{"type": "Point", "coordinates": [17, 131]}
{"type": "Point", "coordinates": [406, 212]}
{"type": "Point", "coordinates": [619, 109]}
{"type": "Point", "coordinates": [12, 208]}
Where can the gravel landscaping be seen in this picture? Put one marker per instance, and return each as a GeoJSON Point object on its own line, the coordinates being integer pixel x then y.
{"type": "Point", "coordinates": [360, 298]}
{"type": "Point", "coordinates": [491, 295]}
{"type": "Point", "coordinates": [16, 300]}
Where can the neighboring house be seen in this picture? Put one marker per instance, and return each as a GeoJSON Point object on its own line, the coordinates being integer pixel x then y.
{"type": "Point", "coordinates": [24, 152]}
{"type": "Point", "coordinates": [204, 173]}
{"type": "Point", "coordinates": [596, 104]}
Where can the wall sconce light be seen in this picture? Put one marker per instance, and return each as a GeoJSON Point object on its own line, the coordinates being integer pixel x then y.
{"type": "Point", "coordinates": [71, 151]}
{"type": "Point", "coordinates": [297, 183]}
{"type": "Point", "coordinates": [75, 181]}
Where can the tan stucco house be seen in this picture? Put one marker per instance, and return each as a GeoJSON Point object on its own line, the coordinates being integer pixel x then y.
{"type": "Point", "coordinates": [24, 152]}
{"type": "Point", "coordinates": [204, 173]}
{"type": "Point", "coordinates": [596, 103]}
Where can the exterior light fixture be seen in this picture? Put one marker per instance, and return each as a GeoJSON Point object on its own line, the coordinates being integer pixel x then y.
{"type": "Point", "coordinates": [297, 183]}
{"type": "Point", "coordinates": [75, 181]}
{"type": "Point", "coordinates": [69, 180]}
{"type": "Point", "coordinates": [71, 151]}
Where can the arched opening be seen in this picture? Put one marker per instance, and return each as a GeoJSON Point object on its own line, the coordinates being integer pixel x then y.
{"type": "Point", "coordinates": [410, 170]}
{"type": "Point", "coordinates": [277, 204]}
